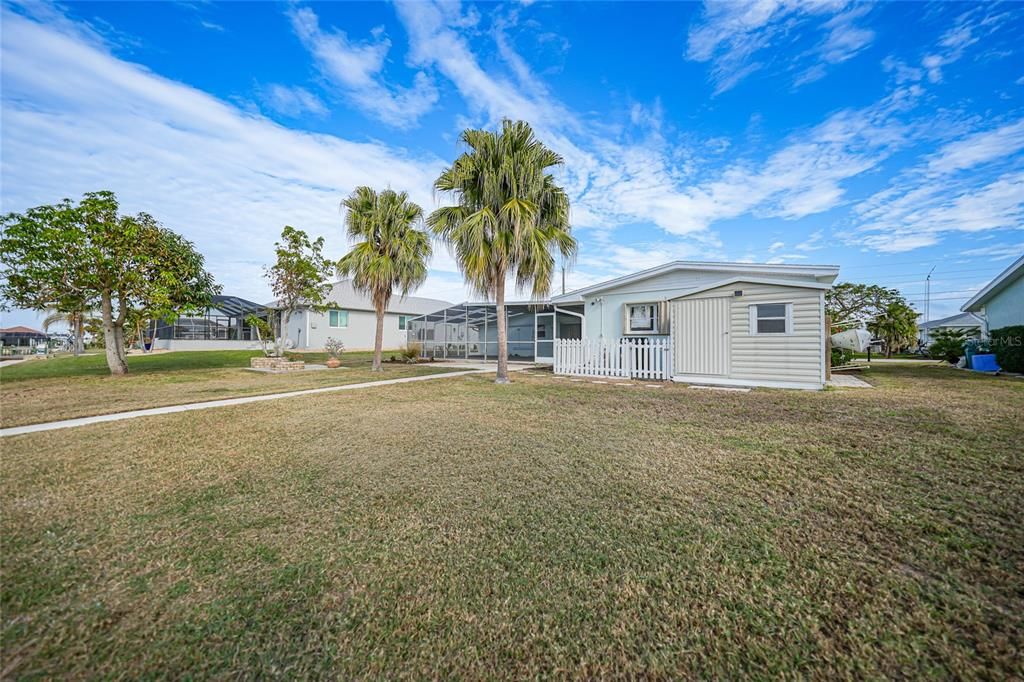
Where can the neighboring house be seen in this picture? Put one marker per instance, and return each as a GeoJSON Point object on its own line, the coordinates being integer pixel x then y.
{"type": "Point", "coordinates": [1001, 302]}
{"type": "Point", "coordinates": [965, 322]}
{"type": "Point", "coordinates": [352, 320]}
{"type": "Point", "coordinates": [222, 326]}
{"type": "Point", "coordinates": [742, 324]}
{"type": "Point", "coordinates": [15, 340]}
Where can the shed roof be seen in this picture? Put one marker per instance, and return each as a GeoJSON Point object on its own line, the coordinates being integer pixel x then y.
{"type": "Point", "coordinates": [958, 320]}
{"type": "Point", "coordinates": [756, 269]}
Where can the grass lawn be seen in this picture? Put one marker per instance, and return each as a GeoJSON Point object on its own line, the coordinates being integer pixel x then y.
{"type": "Point", "coordinates": [547, 528]}
{"type": "Point", "coordinates": [68, 387]}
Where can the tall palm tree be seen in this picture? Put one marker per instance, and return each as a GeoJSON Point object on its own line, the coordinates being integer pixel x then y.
{"type": "Point", "coordinates": [390, 253]}
{"type": "Point", "coordinates": [76, 322]}
{"type": "Point", "coordinates": [509, 218]}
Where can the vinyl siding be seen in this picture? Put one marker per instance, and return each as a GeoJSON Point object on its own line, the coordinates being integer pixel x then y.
{"type": "Point", "coordinates": [603, 311]}
{"type": "Point", "coordinates": [793, 357]}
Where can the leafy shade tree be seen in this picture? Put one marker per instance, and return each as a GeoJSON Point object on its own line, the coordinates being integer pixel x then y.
{"type": "Point", "coordinates": [390, 252]}
{"type": "Point", "coordinates": [896, 325]}
{"type": "Point", "coordinates": [850, 301]}
{"type": "Point", "coordinates": [68, 255]}
{"type": "Point", "coordinates": [510, 217]}
{"type": "Point", "coordinates": [299, 277]}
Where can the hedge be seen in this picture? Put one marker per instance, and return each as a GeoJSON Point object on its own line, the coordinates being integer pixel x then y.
{"type": "Point", "coordinates": [1008, 345]}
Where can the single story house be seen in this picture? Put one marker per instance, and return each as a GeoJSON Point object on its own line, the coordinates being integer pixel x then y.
{"type": "Point", "coordinates": [18, 340]}
{"type": "Point", "coordinates": [733, 324]}
{"type": "Point", "coordinates": [740, 324]}
{"type": "Point", "coordinates": [352, 320]}
{"type": "Point", "coordinates": [965, 322]}
{"type": "Point", "coordinates": [1001, 302]}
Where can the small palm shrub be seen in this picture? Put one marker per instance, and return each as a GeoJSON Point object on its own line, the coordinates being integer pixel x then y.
{"type": "Point", "coordinates": [948, 345]}
{"type": "Point", "coordinates": [411, 352]}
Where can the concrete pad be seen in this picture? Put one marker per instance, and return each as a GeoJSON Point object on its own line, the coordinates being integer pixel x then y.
{"type": "Point", "coordinates": [847, 381]}
{"type": "Point", "coordinates": [721, 388]}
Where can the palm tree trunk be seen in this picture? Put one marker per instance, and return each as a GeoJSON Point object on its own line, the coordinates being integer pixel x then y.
{"type": "Point", "coordinates": [78, 329]}
{"type": "Point", "coordinates": [378, 341]}
{"type": "Point", "coordinates": [499, 300]}
{"type": "Point", "coordinates": [115, 360]}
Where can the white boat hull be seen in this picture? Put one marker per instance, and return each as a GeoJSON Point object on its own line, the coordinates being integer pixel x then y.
{"type": "Point", "coordinates": [856, 340]}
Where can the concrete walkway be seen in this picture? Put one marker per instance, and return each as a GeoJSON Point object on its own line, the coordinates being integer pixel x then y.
{"type": "Point", "coordinates": [209, 405]}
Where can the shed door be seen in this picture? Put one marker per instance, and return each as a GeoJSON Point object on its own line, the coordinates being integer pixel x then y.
{"type": "Point", "coordinates": [700, 336]}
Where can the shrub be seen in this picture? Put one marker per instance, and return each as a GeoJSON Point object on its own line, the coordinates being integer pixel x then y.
{"type": "Point", "coordinates": [841, 356]}
{"type": "Point", "coordinates": [1008, 344]}
{"type": "Point", "coordinates": [411, 352]}
{"type": "Point", "coordinates": [948, 345]}
{"type": "Point", "coordinates": [334, 347]}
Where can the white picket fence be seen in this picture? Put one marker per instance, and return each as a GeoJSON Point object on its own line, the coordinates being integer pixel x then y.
{"type": "Point", "coordinates": [628, 358]}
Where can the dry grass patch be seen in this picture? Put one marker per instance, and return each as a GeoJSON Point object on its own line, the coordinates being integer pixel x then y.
{"type": "Point", "coordinates": [545, 528]}
{"type": "Point", "coordinates": [33, 399]}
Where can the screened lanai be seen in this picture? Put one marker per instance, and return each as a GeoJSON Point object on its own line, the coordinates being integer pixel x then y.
{"type": "Point", "coordinates": [469, 331]}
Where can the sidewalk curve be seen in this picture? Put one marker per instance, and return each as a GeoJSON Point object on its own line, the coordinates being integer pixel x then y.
{"type": "Point", "coordinates": [226, 402]}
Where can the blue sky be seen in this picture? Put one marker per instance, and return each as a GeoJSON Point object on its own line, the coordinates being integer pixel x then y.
{"type": "Point", "coordinates": [886, 139]}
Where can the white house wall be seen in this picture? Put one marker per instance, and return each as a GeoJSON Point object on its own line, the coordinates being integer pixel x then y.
{"type": "Point", "coordinates": [310, 331]}
{"type": "Point", "coordinates": [658, 288]}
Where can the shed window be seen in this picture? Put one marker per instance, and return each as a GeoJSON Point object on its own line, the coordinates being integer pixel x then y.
{"type": "Point", "coordinates": [338, 319]}
{"type": "Point", "coordinates": [770, 318]}
{"type": "Point", "coordinates": [643, 317]}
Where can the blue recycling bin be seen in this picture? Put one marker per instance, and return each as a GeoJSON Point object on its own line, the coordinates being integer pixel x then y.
{"type": "Point", "coordinates": [985, 363]}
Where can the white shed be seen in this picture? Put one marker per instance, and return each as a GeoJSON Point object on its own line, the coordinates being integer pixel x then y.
{"type": "Point", "coordinates": [751, 332]}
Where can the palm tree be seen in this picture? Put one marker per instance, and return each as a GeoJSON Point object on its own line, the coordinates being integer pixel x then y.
{"type": "Point", "coordinates": [76, 322]}
{"type": "Point", "coordinates": [896, 325]}
{"type": "Point", "coordinates": [509, 218]}
{"type": "Point", "coordinates": [390, 253]}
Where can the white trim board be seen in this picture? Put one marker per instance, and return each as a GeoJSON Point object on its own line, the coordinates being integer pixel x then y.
{"type": "Point", "coordinates": [718, 381]}
{"type": "Point", "coordinates": [742, 279]}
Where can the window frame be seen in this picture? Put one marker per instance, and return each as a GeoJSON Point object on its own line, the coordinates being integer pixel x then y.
{"type": "Point", "coordinates": [339, 311]}
{"type": "Point", "coordinates": [403, 322]}
{"type": "Point", "coordinates": [787, 318]}
{"type": "Point", "coordinates": [655, 322]}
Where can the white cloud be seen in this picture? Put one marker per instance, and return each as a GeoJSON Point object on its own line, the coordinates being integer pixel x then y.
{"type": "Point", "coordinates": [225, 179]}
{"type": "Point", "coordinates": [735, 37]}
{"type": "Point", "coordinates": [618, 179]}
{"type": "Point", "coordinates": [979, 148]}
{"type": "Point", "coordinates": [972, 184]}
{"type": "Point", "coordinates": [356, 69]}
{"type": "Point", "coordinates": [292, 101]}
{"type": "Point", "coordinates": [997, 251]}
